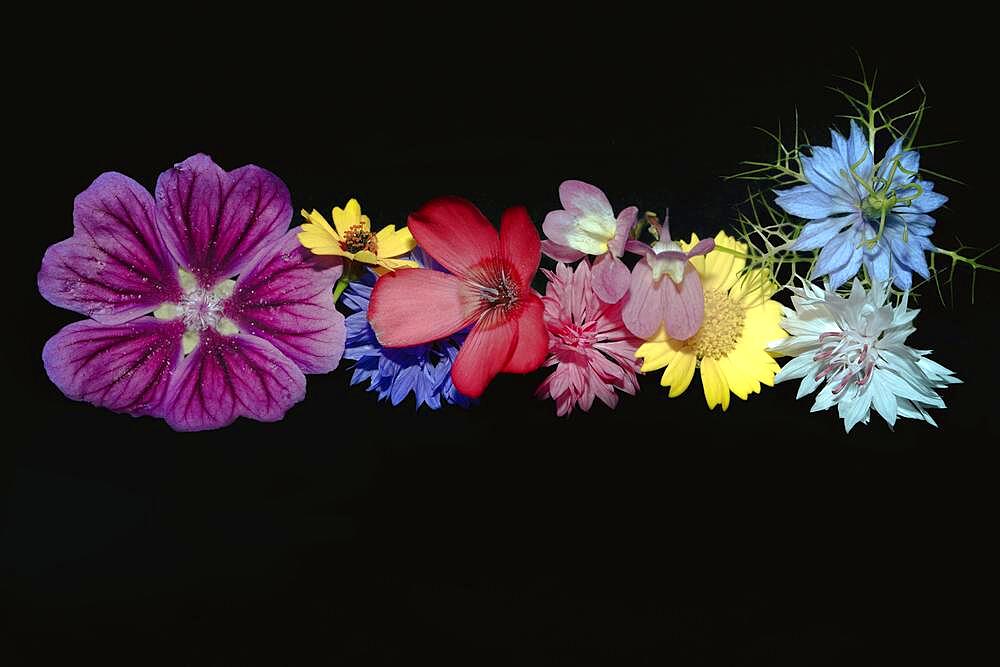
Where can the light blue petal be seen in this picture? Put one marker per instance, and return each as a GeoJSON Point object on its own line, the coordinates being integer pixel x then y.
{"type": "Point", "coordinates": [837, 253]}
{"type": "Point", "coordinates": [877, 262]}
{"type": "Point", "coordinates": [818, 233]}
{"type": "Point", "coordinates": [828, 172]}
{"type": "Point", "coordinates": [806, 201]}
{"type": "Point", "coordinates": [910, 254]}
{"type": "Point", "coordinates": [929, 200]}
{"type": "Point", "coordinates": [841, 275]}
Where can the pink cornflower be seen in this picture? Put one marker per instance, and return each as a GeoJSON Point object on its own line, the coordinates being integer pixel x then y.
{"type": "Point", "coordinates": [592, 351]}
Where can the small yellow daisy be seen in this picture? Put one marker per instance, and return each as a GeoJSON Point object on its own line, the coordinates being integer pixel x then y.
{"type": "Point", "coordinates": [730, 348]}
{"type": "Point", "coordinates": [351, 237]}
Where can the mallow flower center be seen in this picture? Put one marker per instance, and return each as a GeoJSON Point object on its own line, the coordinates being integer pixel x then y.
{"type": "Point", "coordinates": [721, 329]}
{"type": "Point", "coordinates": [199, 309]}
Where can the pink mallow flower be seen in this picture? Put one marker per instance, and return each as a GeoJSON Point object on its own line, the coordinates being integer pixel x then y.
{"type": "Point", "coordinates": [203, 305]}
{"type": "Point", "coordinates": [678, 303]}
{"type": "Point", "coordinates": [587, 225]}
{"type": "Point", "coordinates": [589, 345]}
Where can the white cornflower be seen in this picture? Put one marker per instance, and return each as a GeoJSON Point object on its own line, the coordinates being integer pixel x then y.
{"type": "Point", "coordinates": [856, 346]}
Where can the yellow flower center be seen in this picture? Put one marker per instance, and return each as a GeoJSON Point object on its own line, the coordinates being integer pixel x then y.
{"type": "Point", "coordinates": [358, 238]}
{"type": "Point", "coordinates": [721, 329]}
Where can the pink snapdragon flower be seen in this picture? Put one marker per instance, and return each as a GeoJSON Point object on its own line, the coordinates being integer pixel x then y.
{"type": "Point", "coordinates": [678, 303]}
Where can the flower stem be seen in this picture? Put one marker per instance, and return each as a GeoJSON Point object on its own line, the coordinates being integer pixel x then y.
{"type": "Point", "coordinates": [349, 274]}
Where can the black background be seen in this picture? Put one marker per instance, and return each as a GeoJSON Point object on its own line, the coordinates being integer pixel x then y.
{"type": "Point", "coordinates": [356, 533]}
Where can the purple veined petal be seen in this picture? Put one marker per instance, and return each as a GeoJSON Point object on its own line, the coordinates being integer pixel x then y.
{"type": "Point", "coordinates": [226, 377]}
{"type": "Point", "coordinates": [285, 298]}
{"type": "Point", "coordinates": [610, 278]}
{"type": "Point", "coordinates": [115, 267]}
{"type": "Point", "coordinates": [643, 311]}
{"type": "Point", "coordinates": [561, 253]}
{"type": "Point", "coordinates": [683, 305]}
{"type": "Point", "coordinates": [623, 227]}
{"type": "Point", "coordinates": [638, 247]}
{"type": "Point", "coordinates": [214, 222]}
{"type": "Point", "coordinates": [122, 367]}
{"type": "Point", "coordinates": [584, 199]}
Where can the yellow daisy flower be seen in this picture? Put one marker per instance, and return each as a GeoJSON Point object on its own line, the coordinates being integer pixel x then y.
{"type": "Point", "coordinates": [730, 348]}
{"type": "Point", "coordinates": [351, 237]}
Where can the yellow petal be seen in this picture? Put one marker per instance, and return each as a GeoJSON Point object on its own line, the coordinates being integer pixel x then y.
{"type": "Point", "coordinates": [655, 354]}
{"type": "Point", "coordinates": [311, 238]}
{"type": "Point", "coordinates": [755, 363]}
{"type": "Point", "coordinates": [393, 264]}
{"type": "Point", "coordinates": [365, 257]}
{"type": "Point", "coordinates": [714, 383]}
{"type": "Point", "coordinates": [393, 243]}
{"type": "Point", "coordinates": [366, 223]}
{"type": "Point", "coordinates": [347, 217]}
{"type": "Point", "coordinates": [761, 325]}
{"type": "Point", "coordinates": [739, 381]}
{"type": "Point", "coordinates": [753, 288]}
{"type": "Point", "coordinates": [679, 373]}
{"type": "Point", "coordinates": [722, 268]}
{"type": "Point", "coordinates": [317, 222]}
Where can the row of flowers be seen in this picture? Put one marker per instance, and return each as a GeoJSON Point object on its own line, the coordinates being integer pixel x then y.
{"type": "Point", "coordinates": [204, 306]}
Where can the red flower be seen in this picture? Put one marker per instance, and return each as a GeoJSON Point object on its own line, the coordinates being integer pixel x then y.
{"type": "Point", "coordinates": [489, 285]}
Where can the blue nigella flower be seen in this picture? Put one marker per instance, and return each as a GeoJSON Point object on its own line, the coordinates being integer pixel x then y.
{"type": "Point", "coordinates": [424, 370]}
{"type": "Point", "coordinates": [863, 213]}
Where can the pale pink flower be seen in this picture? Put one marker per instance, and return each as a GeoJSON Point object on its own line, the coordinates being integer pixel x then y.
{"type": "Point", "coordinates": [592, 351]}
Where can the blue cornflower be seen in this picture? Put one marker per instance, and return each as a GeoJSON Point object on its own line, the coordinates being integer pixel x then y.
{"type": "Point", "coordinates": [863, 213]}
{"type": "Point", "coordinates": [395, 372]}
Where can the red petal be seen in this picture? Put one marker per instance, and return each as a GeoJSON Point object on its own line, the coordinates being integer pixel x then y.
{"type": "Point", "coordinates": [532, 337]}
{"type": "Point", "coordinates": [484, 354]}
{"type": "Point", "coordinates": [414, 306]}
{"type": "Point", "coordinates": [684, 304]}
{"type": "Point", "coordinates": [520, 244]}
{"type": "Point", "coordinates": [454, 232]}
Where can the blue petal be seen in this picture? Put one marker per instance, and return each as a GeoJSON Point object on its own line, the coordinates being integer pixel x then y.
{"type": "Point", "coordinates": [828, 172]}
{"type": "Point", "coordinates": [877, 262]}
{"type": "Point", "coordinates": [854, 150]}
{"type": "Point", "coordinates": [909, 254]}
{"type": "Point", "coordinates": [818, 233]}
{"type": "Point", "coordinates": [837, 252]}
{"type": "Point", "coordinates": [840, 276]}
{"type": "Point", "coordinates": [806, 201]}
{"type": "Point", "coordinates": [928, 201]}
{"type": "Point", "coordinates": [403, 384]}
{"type": "Point", "coordinates": [901, 275]}
{"type": "Point", "coordinates": [918, 224]}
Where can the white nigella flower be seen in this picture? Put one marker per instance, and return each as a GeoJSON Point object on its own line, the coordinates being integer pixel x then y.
{"type": "Point", "coordinates": [856, 346]}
